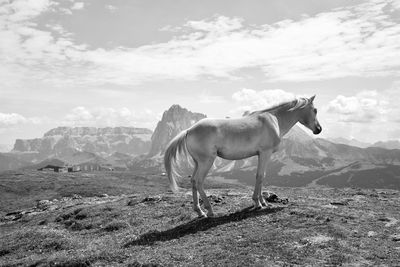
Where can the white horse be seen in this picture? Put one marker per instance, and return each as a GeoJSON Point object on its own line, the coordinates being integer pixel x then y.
{"type": "Point", "coordinates": [256, 134]}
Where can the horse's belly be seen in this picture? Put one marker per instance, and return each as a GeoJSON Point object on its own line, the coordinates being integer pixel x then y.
{"type": "Point", "coordinates": [236, 153]}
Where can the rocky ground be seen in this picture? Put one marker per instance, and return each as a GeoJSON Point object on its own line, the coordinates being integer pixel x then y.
{"type": "Point", "coordinates": [314, 226]}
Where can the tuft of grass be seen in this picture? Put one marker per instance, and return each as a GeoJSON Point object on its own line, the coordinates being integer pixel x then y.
{"type": "Point", "coordinates": [65, 262]}
{"type": "Point", "coordinates": [86, 218]}
{"type": "Point", "coordinates": [138, 264]}
{"type": "Point", "coordinates": [115, 226]}
{"type": "Point", "coordinates": [36, 239]}
{"type": "Point", "coordinates": [79, 226]}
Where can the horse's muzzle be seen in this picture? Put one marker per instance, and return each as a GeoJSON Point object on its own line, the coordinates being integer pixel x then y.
{"type": "Point", "coordinates": [317, 130]}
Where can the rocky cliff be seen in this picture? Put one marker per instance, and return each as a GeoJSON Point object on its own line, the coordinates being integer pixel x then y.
{"type": "Point", "coordinates": [103, 141]}
{"type": "Point", "coordinates": [174, 120]}
{"type": "Point", "coordinates": [300, 161]}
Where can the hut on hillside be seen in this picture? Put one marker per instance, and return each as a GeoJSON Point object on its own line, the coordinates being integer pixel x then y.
{"type": "Point", "coordinates": [53, 168]}
{"type": "Point", "coordinates": [75, 168]}
{"type": "Point", "coordinates": [92, 166]}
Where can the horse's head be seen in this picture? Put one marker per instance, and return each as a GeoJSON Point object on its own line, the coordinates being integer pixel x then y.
{"type": "Point", "coordinates": [308, 117]}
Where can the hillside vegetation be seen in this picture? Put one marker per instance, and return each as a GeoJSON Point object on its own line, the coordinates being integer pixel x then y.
{"type": "Point", "coordinates": [134, 221]}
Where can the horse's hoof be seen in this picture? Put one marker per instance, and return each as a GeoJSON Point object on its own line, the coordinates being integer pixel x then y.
{"type": "Point", "coordinates": [258, 207]}
{"type": "Point", "coordinates": [201, 216]}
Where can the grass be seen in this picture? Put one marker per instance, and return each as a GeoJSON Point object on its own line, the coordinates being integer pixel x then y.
{"type": "Point", "coordinates": [160, 229]}
{"type": "Point", "coordinates": [20, 190]}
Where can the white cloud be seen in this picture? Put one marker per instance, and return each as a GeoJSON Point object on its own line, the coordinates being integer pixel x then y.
{"type": "Point", "coordinates": [8, 119]}
{"type": "Point", "coordinates": [362, 40]}
{"type": "Point", "coordinates": [78, 6]}
{"type": "Point", "coordinates": [218, 25]}
{"type": "Point", "coordinates": [14, 119]}
{"type": "Point", "coordinates": [251, 100]}
{"type": "Point", "coordinates": [112, 117]}
{"type": "Point", "coordinates": [169, 28]}
{"type": "Point", "coordinates": [356, 41]}
{"type": "Point", "coordinates": [111, 8]}
{"type": "Point", "coordinates": [364, 107]}
{"type": "Point", "coordinates": [22, 43]}
{"type": "Point", "coordinates": [22, 10]}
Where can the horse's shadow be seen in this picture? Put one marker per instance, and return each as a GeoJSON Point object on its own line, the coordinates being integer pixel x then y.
{"type": "Point", "coordinates": [198, 225]}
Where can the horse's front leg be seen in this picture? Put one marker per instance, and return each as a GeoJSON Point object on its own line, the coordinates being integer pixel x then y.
{"type": "Point", "coordinates": [263, 159]}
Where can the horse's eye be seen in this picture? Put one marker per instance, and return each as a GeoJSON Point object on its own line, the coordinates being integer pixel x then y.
{"type": "Point", "coordinates": [315, 110]}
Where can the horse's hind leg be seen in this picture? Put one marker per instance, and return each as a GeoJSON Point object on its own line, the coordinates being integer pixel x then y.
{"type": "Point", "coordinates": [263, 158]}
{"type": "Point", "coordinates": [203, 168]}
{"type": "Point", "coordinates": [196, 205]}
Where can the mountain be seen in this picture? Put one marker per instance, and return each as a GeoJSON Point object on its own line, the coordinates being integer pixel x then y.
{"type": "Point", "coordinates": [76, 145]}
{"type": "Point", "coordinates": [44, 163]}
{"type": "Point", "coordinates": [9, 162]}
{"type": "Point", "coordinates": [119, 161]}
{"type": "Point", "coordinates": [64, 142]}
{"type": "Point", "coordinates": [391, 144]}
{"type": "Point", "coordinates": [351, 142]}
{"type": "Point", "coordinates": [302, 160]}
{"type": "Point", "coordinates": [319, 162]}
{"type": "Point", "coordinates": [174, 120]}
{"type": "Point", "coordinates": [5, 148]}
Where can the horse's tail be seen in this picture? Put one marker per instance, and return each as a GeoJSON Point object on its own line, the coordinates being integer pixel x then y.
{"type": "Point", "coordinates": [175, 149]}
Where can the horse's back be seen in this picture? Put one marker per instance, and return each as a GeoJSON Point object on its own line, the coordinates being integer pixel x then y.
{"type": "Point", "coordinates": [231, 138]}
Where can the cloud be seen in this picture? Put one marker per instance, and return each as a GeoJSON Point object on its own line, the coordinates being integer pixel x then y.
{"type": "Point", "coordinates": [361, 40]}
{"type": "Point", "coordinates": [9, 119]}
{"type": "Point", "coordinates": [22, 10]}
{"type": "Point", "coordinates": [78, 6]}
{"type": "Point", "coordinates": [251, 100]}
{"type": "Point", "coordinates": [207, 98]}
{"type": "Point", "coordinates": [364, 107]}
{"type": "Point", "coordinates": [109, 117]}
{"type": "Point", "coordinates": [111, 8]}
{"type": "Point", "coordinates": [14, 119]}
{"type": "Point", "coordinates": [219, 24]}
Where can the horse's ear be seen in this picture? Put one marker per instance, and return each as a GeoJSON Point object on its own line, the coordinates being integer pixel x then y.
{"type": "Point", "coordinates": [312, 98]}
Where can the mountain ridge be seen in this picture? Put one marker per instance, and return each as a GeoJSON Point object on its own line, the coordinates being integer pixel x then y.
{"type": "Point", "coordinates": [301, 159]}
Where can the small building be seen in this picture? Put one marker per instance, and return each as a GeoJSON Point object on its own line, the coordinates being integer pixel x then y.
{"type": "Point", "coordinates": [92, 166]}
{"type": "Point", "coordinates": [53, 168]}
{"type": "Point", "coordinates": [106, 168]}
{"type": "Point", "coordinates": [75, 168]}
{"type": "Point", "coordinates": [63, 169]}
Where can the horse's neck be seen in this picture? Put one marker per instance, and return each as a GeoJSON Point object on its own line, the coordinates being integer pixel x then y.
{"type": "Point", "coordinates": [286, 120]}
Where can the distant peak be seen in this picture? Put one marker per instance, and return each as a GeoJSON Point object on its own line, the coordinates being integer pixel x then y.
{"type": "Point", "coordinates": [174, 120]}
{"type": "Point", "coordinates": [298, 134]}
{"type": "Point", "coordinates": [175, 106]}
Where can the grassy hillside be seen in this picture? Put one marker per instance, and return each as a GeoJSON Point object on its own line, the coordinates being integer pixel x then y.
{"type": "Point", "coordinates": [22, 189]}
{"type": "Point", "coordinates": [146, 226]}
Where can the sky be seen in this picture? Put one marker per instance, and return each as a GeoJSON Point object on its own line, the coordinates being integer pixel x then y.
{"type": "Point", "coordinates": [123, 63]}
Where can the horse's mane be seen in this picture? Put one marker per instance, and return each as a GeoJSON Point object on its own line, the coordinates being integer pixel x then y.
{"type": "Point", "coordinates": [295, 104]}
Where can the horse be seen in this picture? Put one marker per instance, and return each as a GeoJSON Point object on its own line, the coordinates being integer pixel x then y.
{"type": "Point", "coordinates": [255, 134]}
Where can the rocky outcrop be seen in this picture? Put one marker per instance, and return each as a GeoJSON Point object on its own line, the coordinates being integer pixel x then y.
{"type": "Point", "coordinates": [174, 120]}
{"type": "Point", "coordinates": [93, 131]}
{"type": "Point", "coordinates": [63, 141]}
